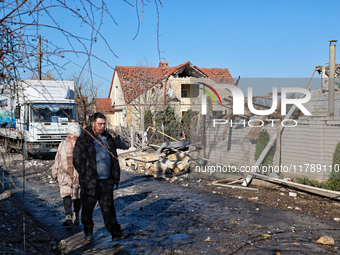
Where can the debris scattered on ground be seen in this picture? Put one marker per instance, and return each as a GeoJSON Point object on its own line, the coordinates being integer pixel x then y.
{"type": "Point", "coordinates": [208, 239]}
{"type": "Point", "coordinates": [292, 194]}
{"type": "Point", "coordinates": [309, 204]}
{"type": "Point", "coordinates": [170, 158]}
{"type": "Point", "coordinates": [326, 240]}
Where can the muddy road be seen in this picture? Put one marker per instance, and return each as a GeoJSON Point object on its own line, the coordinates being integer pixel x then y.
{"type": "Point", "coordinates": [169, 218]}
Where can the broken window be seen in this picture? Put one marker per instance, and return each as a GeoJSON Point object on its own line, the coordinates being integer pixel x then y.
{"type": "Point", "coordinates": [184, 93]}
{"type": "Point", "coordinates": [194, 91]}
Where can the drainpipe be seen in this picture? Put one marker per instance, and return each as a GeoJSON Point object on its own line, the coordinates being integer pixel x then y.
{"type": "Point", "coordinates": [331, 77]}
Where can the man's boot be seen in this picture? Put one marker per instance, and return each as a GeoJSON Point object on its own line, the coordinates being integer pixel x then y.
{"type": "Point", "coordinates": [117, 236]}
{"type": "Point", "coordinates": [87, 236]}
{"type": "Point", "coordinates": [68, 221]}
{"type": "Point", "coordinates": [76, 218]}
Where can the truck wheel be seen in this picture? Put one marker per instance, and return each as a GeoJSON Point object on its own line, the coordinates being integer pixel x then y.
{"type": "Point", "coordinates": [25, 152]}
{"type": "Point", "coordinates": [6, 146]}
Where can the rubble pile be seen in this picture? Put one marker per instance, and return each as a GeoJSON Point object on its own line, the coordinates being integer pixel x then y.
{"type": "Point", "coordinates": [170, 160]}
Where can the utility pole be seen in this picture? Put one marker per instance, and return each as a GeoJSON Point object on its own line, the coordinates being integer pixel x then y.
{"type": "Point", "coordinates": [39, 57]}
{"type": "Point", "coordinates": [331, 77]}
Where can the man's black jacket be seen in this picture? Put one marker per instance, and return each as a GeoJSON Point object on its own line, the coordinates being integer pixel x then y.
{"type": "Point", "coordinates": [84, 161]}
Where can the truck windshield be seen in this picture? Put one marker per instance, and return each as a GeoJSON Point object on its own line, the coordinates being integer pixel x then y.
{"type": "Point", "coordinates": [53, 112]}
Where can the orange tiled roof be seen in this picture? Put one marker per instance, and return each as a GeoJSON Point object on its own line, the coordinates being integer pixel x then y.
{"type": "Point", "coordinates": [219, 75]}
{"type": "Point", "coordinates": [135, 80]}
{"type": "Point", "coordinates": [103, 105]}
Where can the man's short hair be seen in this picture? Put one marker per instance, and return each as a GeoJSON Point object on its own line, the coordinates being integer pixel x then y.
{"type": "Point", "coordinates": [98, 115]}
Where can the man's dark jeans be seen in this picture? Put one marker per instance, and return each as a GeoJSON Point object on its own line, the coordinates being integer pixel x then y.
{"type": "Point", "coordinates": [104, 196]}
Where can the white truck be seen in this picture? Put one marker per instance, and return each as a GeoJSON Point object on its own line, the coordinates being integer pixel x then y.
{"type": "Point", "coordinates": [35, 115]}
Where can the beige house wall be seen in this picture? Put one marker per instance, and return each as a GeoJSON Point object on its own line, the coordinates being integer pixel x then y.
{"type": "Point", "coordinates": [117, 97]}
{"type": "Point", "coordinates": [128, 116]}
{"type": "Point", "coordinates": [109, 120]}
{"type": "Point", "coordinates": [153, 99]}
{"type": "Point", "coordinates": [117, 89]}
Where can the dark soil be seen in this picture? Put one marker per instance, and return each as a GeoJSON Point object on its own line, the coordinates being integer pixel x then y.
{"type": "Point", "coordinates": [37, 240]}
{"type": "Point", "coordinates": [275, 196]}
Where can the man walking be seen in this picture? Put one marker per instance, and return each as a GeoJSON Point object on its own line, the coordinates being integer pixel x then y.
{"type": "Point", "coordinates": [95, 159]}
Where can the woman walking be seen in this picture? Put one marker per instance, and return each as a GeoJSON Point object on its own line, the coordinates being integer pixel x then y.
{"type": "Point", "coordinates": [68, 178]}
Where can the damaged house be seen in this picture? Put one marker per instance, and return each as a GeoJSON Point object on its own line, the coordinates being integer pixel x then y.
{"type": "Point", "coordinates": [136, 89]}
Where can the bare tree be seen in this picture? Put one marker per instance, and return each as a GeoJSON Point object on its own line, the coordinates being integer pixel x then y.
{"type": "Point", "coordinates": [151, 96]}
{"type": "Point", "coordinates": [86, 90]}
{"type": "Point", "coordinates": [21, 22]}
{"type": "Point", "coordinates": [146, 91]}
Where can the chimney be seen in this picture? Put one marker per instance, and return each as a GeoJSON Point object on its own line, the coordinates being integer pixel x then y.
{"type": "Point", "coordinates": [163, 64]}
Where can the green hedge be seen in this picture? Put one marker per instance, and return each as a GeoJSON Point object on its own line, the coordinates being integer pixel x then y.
{"type": "Point", "coordinates": [262, 142]}
{"type": "Point", "coordinates": [333, 182]}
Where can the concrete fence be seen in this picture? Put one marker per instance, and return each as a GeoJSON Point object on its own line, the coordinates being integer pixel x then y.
{"type": "Point", "coordinates": [305, 150]}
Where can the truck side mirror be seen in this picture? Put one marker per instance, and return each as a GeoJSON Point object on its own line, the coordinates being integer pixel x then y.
{"type": "Point", "coordinates": [17, 112]}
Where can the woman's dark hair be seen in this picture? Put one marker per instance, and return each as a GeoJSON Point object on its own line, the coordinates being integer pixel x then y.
{"type": "Point", "coordinates": [97, 115]}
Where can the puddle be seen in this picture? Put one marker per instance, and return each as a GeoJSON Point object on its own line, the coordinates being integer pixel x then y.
{"type": "Point", "coordinates": [178, 236]}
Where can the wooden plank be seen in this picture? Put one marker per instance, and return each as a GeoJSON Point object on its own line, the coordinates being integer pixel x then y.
{"type": "Point", "coordinates": [128, 152]}
{"type": "Point", "coordinates": [278, 93]}
{"type": "Point", "coordinates": [144, 161]}
{"type": "Point", "coordinates": [230, 179]}
{"type": "Point", "coordinates": [255, 131]}
{"type": "Point", "coordinates": [236, 181]}
{"type": "Point", "coordinates": [232, 186]}
{"type": "Point", "coordinates": [318, 191]}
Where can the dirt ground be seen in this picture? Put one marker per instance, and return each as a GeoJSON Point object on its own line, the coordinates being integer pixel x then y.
{"type": "Point", "coordinates": [274, 196]}
{"type": "Point", "coordinates": [38, 240]}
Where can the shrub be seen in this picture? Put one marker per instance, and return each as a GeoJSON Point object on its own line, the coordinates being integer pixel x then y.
{"type": "Point", "coordinates": [148, 120]}
{"type": "Point", "coordinates": [170, 120]}
{"type": "Point", "coordinates": [309, 182]}
{"type": "Point", "coordinates": [262, 142]}
{"type": "Point", "coordinates": [186, 123]}
{"type": "Point", "coordinates": [333, 182]}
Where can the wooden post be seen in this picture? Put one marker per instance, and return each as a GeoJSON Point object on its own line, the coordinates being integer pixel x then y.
{"type": "Point", "coordinates": [142, 126]}
{"type": "Point", "coordinates": [132, 137]}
